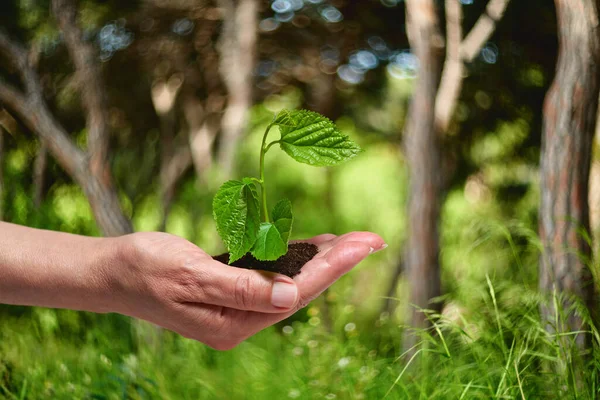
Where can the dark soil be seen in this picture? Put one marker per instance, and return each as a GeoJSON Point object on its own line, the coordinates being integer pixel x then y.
{"type": "Point", "coordinates": [290, 264]}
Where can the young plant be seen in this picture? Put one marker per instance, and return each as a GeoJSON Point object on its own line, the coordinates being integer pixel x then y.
{"type": "Point", "coordinates": [307, 137]}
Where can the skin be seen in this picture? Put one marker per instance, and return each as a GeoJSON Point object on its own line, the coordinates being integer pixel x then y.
{"type": "Point", "coordinates": [166, 280]}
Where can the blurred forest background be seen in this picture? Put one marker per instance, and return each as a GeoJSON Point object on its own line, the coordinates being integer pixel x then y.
{"type": "Point", "coordinates": [481, 171]}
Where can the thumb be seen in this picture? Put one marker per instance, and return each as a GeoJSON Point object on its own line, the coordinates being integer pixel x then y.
{"type": "Point", "coordinates": [249, 290]}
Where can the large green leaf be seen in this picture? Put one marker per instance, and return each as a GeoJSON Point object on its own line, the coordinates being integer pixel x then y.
{"type": "Point", "coordinates": [236, 211]}
{"type": "Point", "coordinates": [310, 138]}
{"type": "Point", "coordinates": [272, 239]}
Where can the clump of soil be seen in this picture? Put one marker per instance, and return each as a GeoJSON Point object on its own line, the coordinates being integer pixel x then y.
{"type": "Point", "coordinates": [290, 264]}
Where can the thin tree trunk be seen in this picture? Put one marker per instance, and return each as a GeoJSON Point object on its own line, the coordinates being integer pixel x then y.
{"type": "Point", "coordinates": [390, 301]}
{"type": "Point", "coordinates": [106, 206]}
{"type": "Point", "coordinates": [423, 153]}
{"type": "Point", "coordinates": [39, 174]}
{"type": "Point", "coordinates": [90, 83]}
{"type": "Point", "coordinates": [170, 174]}
{"type": "Point", "coordinates": [569, 124]}
{"type": "Point", "coordinates": [452, 74]}
{"type": "Point", "coordinates": [202, 129]}
{"type": "Point", "coordinates": [483, 29]}
{"type": "Point", "coordinates": [164, 96]}
{"type": "Point", "coordinates": [201, 142]}
{"type": "Point", "coordinates": [238, 48]}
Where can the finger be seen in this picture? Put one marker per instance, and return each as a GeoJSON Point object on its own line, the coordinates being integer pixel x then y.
{"type": "Point", "coordinates": [219, 327]}
{"type": "Point", "coordinates": [321, 273]}
{"type": "Point", "coordinates": [374, 241]}
{"type": "Point", "coordinates": [204, 323]}
{"type": "Point", "coordinates": [317, 240]}
{"type": "Point", "coordinates": [242, 289]}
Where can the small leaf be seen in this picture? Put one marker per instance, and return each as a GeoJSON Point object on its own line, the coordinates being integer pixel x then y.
{"type": "Point", "coordinates": [269, 245]}
{"type": "Point", "coordinates": [310, 138]}
{"type": "Point", "coordinates": [236, 211]}
{"type": "Point", "coordinates": [284, 118]}
{"type": "Point", "coordinates": [283, 218]}
{"type": "Point", "coordinates": [272, 241]}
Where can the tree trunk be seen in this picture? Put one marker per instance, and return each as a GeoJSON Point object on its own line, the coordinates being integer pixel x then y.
{"type": "Point", "coordinates": [238, 48]}
{"type": "Point", "coordinates": [202, 126]}
{"type": "Point", "coordinates": [170, 174]}
{"type": "Point", "coordinates": [391, 302]}
{"type": "Point", "coordinates": [569, 124]}
{"type": "Point", "coordinates": [39, 173]}
{"type": "Point", "coordinates": [106, 206]}
{"type": "Point", "coordinates": [89, 80]}
{"type": "Point", "coordinates": [423, 151]}
{"type": "Point", "coordinates": [164, 95]}
{"type": "Point", "coordinates": [452, 74]}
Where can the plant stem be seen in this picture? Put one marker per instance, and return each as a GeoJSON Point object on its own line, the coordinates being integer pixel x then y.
{"type": "Point", "coordinates": [271, 144]}
{"type": "Point", "coordinates": [263, 191]}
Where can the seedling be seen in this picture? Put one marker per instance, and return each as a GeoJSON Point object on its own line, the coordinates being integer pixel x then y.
{"type": "Point", "coordinates": [307, 137]}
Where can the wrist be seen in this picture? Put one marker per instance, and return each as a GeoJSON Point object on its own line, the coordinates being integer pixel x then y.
{"type": "Point", "coordinates": [101, 276]}
{"type": "Point", "coordinates": [112, 263]}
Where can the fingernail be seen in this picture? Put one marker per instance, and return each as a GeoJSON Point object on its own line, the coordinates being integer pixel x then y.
{"type": "Point", "coordinates": [372, 250]}
{"type": "Point", "coordinates": [284, 294]}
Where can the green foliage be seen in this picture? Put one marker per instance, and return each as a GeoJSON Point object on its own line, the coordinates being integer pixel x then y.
{"type": "Point", "coordinates": [272, 239]}
{"type": "Point", "coordinates": [307, 137]}
{"type": "Point", "coordinates": [283, 217]}
{"type": "Point", "coordinates": [269, 244]}
{"type": "Point", "coordinates": [235, 209]}
{"type": "Point", "coordinates": [310, 138]}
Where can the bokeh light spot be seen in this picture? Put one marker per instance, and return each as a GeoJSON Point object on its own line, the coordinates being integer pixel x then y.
{"type": "Point", "coordinates": [281, 6]}
{"type": "Point", "coordinates": [331, 14]}
{"type": "Point", "coordinates": [182, 27]}
{"type": "Point", "coordinates": [268, 25]}
{"type": "Point", "coordinates": [350, 74]}
{"type": "Point", "coordinates": [489, 53]}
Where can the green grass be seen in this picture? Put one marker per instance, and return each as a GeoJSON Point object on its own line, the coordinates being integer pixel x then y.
{"type": "Point", "coordinates": [499, 350]}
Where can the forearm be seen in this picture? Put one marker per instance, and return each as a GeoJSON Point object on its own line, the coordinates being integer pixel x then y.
{"type": "Point", "coordinates": [54, 269]}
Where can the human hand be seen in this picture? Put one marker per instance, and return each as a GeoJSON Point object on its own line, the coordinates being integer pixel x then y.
{"type": "Point", "coordinates": [171, 282]}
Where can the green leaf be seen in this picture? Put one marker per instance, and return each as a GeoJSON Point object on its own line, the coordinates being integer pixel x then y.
{"type": "Point", "coordinates": [273, 237]}
{"type": "Point", "coordinates": [269, 245]}
{"type": "Point", "coordinates": [283, 218]}
{"type": "Point", "coordinates": [310, 138]}
{"type": "Point", "coordinates": [236, 211]}
{"type": "Point", "coordinates": [284, 118]}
